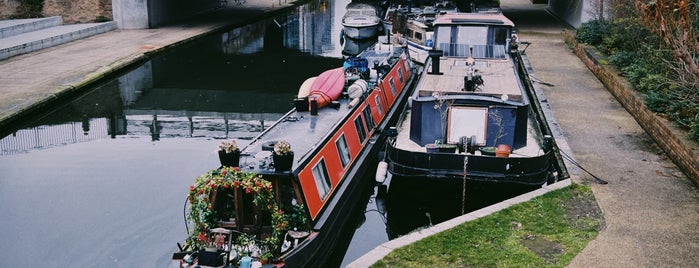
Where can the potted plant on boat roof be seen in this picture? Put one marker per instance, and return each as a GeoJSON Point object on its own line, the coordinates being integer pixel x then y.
{"type": "Point", "coordinates": [229, 153]}
{"type": "Point", "coordinates": [282, 156]}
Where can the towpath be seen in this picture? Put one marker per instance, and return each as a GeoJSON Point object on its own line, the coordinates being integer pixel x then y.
{"type": "Point", "coordinates": [651, 209]}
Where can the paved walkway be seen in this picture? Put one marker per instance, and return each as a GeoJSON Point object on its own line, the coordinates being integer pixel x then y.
{"type": "Point", "coordinates": [651, 209]}
{"type": "Point", "coordinates": [30, 81]}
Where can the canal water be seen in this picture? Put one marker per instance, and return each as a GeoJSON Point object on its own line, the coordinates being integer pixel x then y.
{"type": "Point", "coordinates": [101, 180]}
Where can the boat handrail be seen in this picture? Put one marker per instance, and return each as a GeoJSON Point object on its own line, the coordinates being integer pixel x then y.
{"type": "Point", "coordinates": [258, 137]}
{"type": "Point", "coordinates": [479, 51]}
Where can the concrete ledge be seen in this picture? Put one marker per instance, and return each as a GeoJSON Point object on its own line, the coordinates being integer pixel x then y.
{"type": "Point", "coordinates": [671, 139]}
{"type": "Point", "coordinates": [37, 40]}
{"type": "Point", "coordinates": [16, 27]}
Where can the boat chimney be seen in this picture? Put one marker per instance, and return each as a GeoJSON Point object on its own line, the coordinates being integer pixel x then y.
{"type": "Point", "coordinates": [301, 104]}
{"type": "Point", "coordinates": [435, 54]}
{"type": "Point", "coordinates": [314, 106]}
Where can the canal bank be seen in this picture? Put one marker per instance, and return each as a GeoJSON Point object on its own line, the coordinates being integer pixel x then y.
{"type": "Point", "coordinates": [32, 81]}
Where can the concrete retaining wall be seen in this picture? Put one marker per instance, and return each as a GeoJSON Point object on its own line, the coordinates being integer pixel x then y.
{"type": "Point", "coordinates": [574, 12]}
{"type": "Point", "coordinates": [683, 152]}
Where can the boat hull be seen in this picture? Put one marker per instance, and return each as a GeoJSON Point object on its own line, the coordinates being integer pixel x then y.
{"type": "Point", "coordinates": [418, 53]}
{"type": "Point", "coordinates": [446, 167]}
{"type": "Point", "coordinates": [361, 32]}
{"type": "Point", "coordinates": [409, 202]}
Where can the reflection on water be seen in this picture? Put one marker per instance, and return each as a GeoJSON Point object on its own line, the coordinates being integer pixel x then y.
{"type": "Point", "coordinates": [100, 180]}
{"type": "Point", "coordinates": [237, 82]}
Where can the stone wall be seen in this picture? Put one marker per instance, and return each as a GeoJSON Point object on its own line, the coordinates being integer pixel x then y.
{"type": "Point", "coordinates": [79, 11]}
{"type": "Point", "coordinates": [682, 151]}
{"type": "Point", "coordinates": [72, 11]}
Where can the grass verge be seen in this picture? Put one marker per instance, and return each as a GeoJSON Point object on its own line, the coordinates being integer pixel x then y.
{"type": "Point", "coordinates": [547, 231]}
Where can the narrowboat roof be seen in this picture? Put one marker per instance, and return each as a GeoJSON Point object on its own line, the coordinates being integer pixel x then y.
{"type": "Point", "coordinates": [302, 130]}
{"type": "Point", "coordinates": [474, 18]}
{"type": "Point", "coordinates": [499, 78]}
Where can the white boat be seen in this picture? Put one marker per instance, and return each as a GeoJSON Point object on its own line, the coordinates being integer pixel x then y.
{"type": "Point", "coordinates": [415, 25]}
{"type": "Point", "coordinates": [361, 21]}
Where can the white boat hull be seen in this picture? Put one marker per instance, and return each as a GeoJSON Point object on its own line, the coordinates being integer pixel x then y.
{"type": "Point", "coordinates": [363, 32]}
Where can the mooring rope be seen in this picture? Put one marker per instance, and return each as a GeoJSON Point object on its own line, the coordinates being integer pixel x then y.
{"type": "Point", "coordinates": [463, 188]}
{"type": "Point", "coordinates": [572, 161]}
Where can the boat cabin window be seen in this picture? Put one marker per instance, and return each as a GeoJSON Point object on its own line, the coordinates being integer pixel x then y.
{"type": "Point", "coordinates": [343, 150]}
{"type": "Point", "coordinates": [457, 41]}
{"type": "Point", "coordinates": [378, 105]}
{"type": "Point", "coordinates": [370, 124]}
{"type": "Point", "coordinates": [400, 75]}
{"type": "Point", "coordinates": [418, 36]}
{"type": "Point", "coordinates": [360, 129]}
{"type": "Point", "coordinates": [320, 175]}
{"type": "Point", "coordinates": [393, 86]}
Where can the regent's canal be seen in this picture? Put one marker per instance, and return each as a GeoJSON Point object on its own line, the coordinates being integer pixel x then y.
{"type": "Point", "coordinates": [101, 180]}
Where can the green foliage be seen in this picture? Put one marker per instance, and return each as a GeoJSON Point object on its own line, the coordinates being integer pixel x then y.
{"type": "Point", "coordinates": [592, 32]}
{"type": "Point", "coordinates": [649, 68]}
{"type": "Point", "coordinates": [623, 58]}
{"type": "Point", "coordinates": [102, 19]}
{"type": "Point", "coordinates": [29, 9]}
{"type": "Point", "coordinates": [694, 129]}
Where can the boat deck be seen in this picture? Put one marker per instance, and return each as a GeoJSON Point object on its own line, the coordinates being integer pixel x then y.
{"type": "Point", "coordinates": [302, 130]}
{"type": "Point", "coordinates": [499, 78]}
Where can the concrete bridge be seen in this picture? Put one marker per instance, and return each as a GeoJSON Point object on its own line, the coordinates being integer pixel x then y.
{"type": "Point", "coordinates": [143, 14]}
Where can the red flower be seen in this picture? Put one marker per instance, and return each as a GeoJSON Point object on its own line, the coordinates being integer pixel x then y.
{"type": "Point", "coordinates": [191, 188]}
{"type": "Point", "coordinates": [236, 169]}
{"type": "Point", "coordinates": [223, 172]}
{"type": "Point", "coordinates": [248, 190]}
{"type": "Point", "coordinates": [236, 183]}
{"type": "Point", "coordinates": [226, 186]}
{"type": "Point", "coordinates": [202, 237]}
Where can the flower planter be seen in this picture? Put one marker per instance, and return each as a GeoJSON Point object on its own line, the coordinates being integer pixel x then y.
{"type": "Point", "coordinates": [231, 159]}
{"type": "Point", "coordinates": [283, 162]}
{"type": "Point", "coordinates": [431, 148]}
{"type": "Point", "coordinates": [503, 150]}
{"type": "Point", "coordinates": [489, 151]}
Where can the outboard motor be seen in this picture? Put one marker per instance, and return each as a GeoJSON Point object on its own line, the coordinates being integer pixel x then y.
{"type": "Point", "coordinates": [435, 54]}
